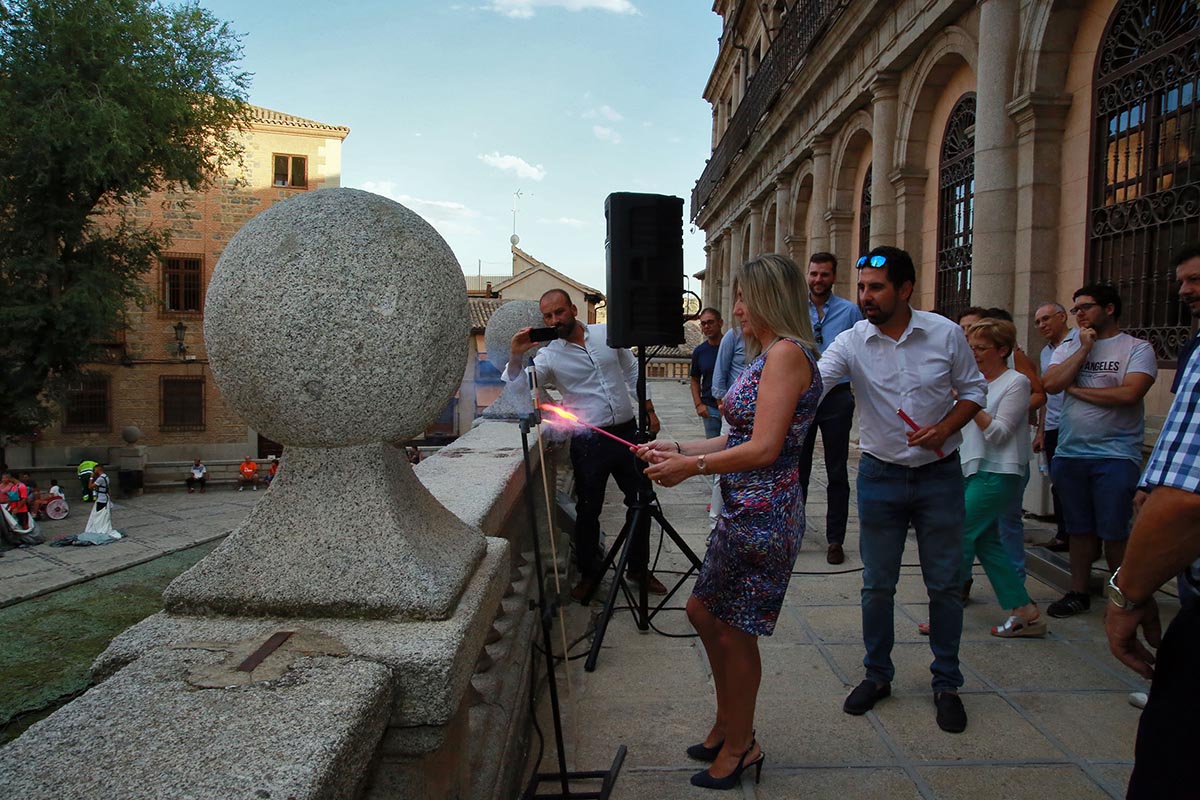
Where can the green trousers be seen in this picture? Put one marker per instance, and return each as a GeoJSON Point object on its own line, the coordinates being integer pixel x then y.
{"type": "Point", "coordinates": [988, 494]}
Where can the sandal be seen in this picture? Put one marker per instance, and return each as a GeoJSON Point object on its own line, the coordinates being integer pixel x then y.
{"type": "Point", "coordinates": [1015, 628]}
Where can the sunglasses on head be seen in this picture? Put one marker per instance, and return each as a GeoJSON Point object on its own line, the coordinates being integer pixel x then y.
{"type": "Point", "coordinates": [875, 262]}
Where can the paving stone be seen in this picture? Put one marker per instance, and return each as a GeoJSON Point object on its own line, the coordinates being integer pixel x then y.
{"type": "Point", "coordinates": [1005, 783]}
{"type": "Point", "coordinates": [1100, 727]}
{"type": "Point", "coordinates": [1030, 664]}
{"type": "Point", "coordinates": [995, 731]}
{"type": "Point", "coordinates": [860, 784]}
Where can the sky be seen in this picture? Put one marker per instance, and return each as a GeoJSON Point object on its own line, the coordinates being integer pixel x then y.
{"type": "Point", "coordinates": [455, 107]}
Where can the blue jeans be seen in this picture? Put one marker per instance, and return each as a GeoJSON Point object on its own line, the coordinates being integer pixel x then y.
{"type": "Point", "coordinates": [931, 497]}
{"type": "Point", "coordinates": [1012, 527]}
{"type": "Point", "coordinates": [712, 423]}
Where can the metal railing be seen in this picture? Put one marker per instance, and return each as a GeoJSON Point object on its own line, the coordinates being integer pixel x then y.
{"type": "Point", "coordinates": [802, 29]}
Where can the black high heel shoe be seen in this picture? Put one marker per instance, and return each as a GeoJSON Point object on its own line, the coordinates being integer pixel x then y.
{"type": "Point", "coordinates": [702, 753]}
{"type": "Point", "coordinates": [707, 781]}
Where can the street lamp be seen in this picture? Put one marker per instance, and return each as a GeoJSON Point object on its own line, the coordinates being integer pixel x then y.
{"type": "Point", "coordinates": [180, 331]}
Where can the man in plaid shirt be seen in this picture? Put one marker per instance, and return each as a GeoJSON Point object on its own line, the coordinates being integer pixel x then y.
{"type": "Point", "coordinates": [1165, 540]}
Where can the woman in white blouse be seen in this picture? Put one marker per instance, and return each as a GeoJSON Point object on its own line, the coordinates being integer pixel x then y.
{"type": "Point", "coordinates": [994, 451]}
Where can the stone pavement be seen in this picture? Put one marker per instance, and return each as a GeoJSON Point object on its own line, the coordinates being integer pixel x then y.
{"type": "Point", "coordinates": [154, 524]}
{"type": "Point", "coordinates": [1048, 718]}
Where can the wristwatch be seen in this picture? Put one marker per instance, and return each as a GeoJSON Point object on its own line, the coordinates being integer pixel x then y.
{"type": "Point", "coordinates": [1116, 596]}
{"type": "Point", "coordinates": [701, 467]}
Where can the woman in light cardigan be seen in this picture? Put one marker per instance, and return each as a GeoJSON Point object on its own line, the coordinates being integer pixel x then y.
{"type": "Point", "coordinates": [994, 452]}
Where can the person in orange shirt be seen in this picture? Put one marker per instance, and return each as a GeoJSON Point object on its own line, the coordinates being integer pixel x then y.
{"type": "Point", "coordinates": [248, 474]}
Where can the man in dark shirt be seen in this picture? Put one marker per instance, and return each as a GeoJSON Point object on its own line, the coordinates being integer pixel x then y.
{"type": "Point", "coordinates": [704, 358]}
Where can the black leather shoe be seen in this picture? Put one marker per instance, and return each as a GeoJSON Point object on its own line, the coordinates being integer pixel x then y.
{"type": "Point", "coordinates": [835, 554]}
{"type": "Point", "coordinates": [583, 591]}
{"type": "Point", "coordinates": [865, 696]}
{"type": "Point", "coordinates": [951, 716]}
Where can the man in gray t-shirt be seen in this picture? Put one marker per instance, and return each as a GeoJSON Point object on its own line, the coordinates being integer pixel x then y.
{"type": "Point", "coordinates": [1051, 321]}
{"type": "Point", "coordinates": [1104, 374]}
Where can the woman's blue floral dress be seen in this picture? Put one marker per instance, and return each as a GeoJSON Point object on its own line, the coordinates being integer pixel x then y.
{"type": "Point", "coordinates": [754, 545]}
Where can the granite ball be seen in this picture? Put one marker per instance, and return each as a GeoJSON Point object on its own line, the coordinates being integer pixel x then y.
{"type": "Point", "coordinates": [337, 318]}
{"type": "Point", "coordinates": [131, 433]}
{"type": "Point", "coordinates": [503, 325]}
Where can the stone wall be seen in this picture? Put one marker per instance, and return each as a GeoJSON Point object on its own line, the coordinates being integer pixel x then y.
{"type": "Point", "coordinates": [347, 708]}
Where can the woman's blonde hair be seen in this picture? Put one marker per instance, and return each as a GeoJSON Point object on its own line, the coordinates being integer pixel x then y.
{"type": "Point", "coordinates": [1000, 332]}
{"type": "Point", "coordinates": [775, 296]}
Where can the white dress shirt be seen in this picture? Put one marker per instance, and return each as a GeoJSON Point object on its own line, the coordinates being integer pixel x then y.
{"type": "Point", "coordinates": [917, 373]}
{"type": "Point", "coordinates": [598, 383]}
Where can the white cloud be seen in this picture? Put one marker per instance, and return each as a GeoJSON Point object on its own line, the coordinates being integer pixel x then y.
{"type": "Point", "coordinates": [449, 217]}
{"type": "Point", "coordinates": [607, 112]}
{"type": "Point", "coordinates": [524, 9]}
{"type": "Point", "coordinates": [569, 222]}
{"type": "Point", "coordinates": [606, 134]}
{"type": "Point", "coordinates": [520, 166]}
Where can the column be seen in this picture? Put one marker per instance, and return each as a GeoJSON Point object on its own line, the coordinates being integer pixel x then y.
{"type": "Point", "coordinates": [1040, 122]}
{"type": "Point", "coordinates": [884, 112]}
{"type": "Point", "coordinates": [822, 158]}
{"type": "Point", "coordinates": [797, 249]}
{"type": "Point", "coordinates": [993, 264]}
{"type": "Point", "coordinates": [783, 210]}
{"type": "Point", "coordinates": [704, 273]}
{"type": "Point", "coordinates": [734, 257]}
{"type": "Point", "coordinates": [909, 186]}
{"type": "Point", "coordinates": [841, 237]}
{"type": "Point", "coordinates": [755, 228]}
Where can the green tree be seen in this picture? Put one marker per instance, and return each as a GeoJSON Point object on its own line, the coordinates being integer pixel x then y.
{"type": "Point", "coordinates": [101, 103]}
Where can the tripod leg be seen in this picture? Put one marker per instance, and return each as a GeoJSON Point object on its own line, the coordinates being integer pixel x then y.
{"type": "Point", "coordinates": [610, 603]}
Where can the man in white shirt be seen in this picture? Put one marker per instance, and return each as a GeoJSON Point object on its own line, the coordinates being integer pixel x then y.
{"type": "Point", "coordinates": [916, 362]}
{"type": "Point", "coordinates": [1105, 374]}
{"type": "Point", "coordinates": [199, 475]}
{"type": "Point", "coordinates": [599, 385]}
{"type": "Point", "coordinates": [1051, 321]}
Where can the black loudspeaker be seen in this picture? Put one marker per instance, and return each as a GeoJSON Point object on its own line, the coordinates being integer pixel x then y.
{"type": "Point", "coordinates": [644, 261]}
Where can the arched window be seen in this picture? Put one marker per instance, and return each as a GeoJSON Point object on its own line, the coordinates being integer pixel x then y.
{"type": "Point", "coordinates": [864, 215]}
{"type": "Point", "coordinates": [956, 209]}
{"type": "Point", "coordinates": [1145, 185]}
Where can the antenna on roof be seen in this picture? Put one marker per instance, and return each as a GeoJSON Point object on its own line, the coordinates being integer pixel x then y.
{"type": "Point", "coordinates": [514, 238]}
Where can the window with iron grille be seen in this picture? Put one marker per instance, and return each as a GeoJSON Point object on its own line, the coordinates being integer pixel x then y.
{"type": "Point", "coordinates": [864, 215]}
{"type": "Point", "coordinates": [182, 283]}
{"type": "Point", "coordinates": [86, 405]}
{"type": "Point", "coordinates": [956, 209]}
{"type": "Point", "coordinates": [1145, 184]}
{"type": "Point", "coordinates": [181, 403]}
{"type": "Point", "coordinates": [290, 171]}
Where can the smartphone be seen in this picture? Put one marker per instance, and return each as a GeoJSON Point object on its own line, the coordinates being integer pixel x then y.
{"type": "Point", "coordinates": [543, 334]}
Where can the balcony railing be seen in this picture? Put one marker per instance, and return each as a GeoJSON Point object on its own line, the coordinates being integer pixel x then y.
{"type": "Point", "coordinates": [802, 28]}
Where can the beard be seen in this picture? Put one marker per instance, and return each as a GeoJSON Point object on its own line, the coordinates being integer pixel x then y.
{"type": "Point", "coordinates": [565, 329]}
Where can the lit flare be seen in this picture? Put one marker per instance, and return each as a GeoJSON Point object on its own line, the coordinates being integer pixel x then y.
{"type": "Point", "coordinates": [567, 415]}
{"type": "Point", "coordinates": [912, 424]}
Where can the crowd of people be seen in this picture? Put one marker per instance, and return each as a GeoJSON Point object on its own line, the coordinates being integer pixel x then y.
{"type": "Point", "coordinates": [952, 417]}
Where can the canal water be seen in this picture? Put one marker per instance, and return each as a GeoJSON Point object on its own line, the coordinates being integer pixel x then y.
{"type": "Point", "coordinates": [48, 643]}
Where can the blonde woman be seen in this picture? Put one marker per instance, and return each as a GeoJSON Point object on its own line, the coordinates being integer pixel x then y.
{"type": "Point", "coordinates": [753, 547]}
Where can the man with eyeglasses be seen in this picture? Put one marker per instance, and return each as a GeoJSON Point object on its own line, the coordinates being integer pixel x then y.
{"type": "Point", "coordinates": [1105, 374]}
{"type": "Point", "coordinates": [704, 359]}
{"type": "Point", "coordinates": [830, 315]}
{"type": "Point", "coordinates": [916, 363]}
{"type": "Point", "coordinates": [1051, 321]}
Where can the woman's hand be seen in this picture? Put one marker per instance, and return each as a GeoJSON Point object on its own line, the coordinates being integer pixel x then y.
{"type": "Point", "coordinates": [671, 468]}
{"type": "Point", "coordinates": [653, 452]}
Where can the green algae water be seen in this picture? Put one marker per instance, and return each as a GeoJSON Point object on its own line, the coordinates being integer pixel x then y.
{"type": "Point", "coordinates": [48, 643]}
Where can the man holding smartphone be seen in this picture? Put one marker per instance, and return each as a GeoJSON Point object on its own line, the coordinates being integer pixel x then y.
{"type": "Point", "coordinates": [599, 385]}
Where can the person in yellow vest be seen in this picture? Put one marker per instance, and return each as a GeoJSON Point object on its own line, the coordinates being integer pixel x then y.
{"type": "Point", "coordinates": [85, 479]}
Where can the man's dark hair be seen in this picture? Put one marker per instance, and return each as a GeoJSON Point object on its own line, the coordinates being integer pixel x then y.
{"type": "Point", "coordinates": [996, 312]}
{"type": "Point", "coordinates": [563, 292]}
{"type": "Point", "coordinates": [823, 258]}
{"type": "Point", "coordinates": [899, 265]}
{"type": "Point", "coordinates": [971, 311]}
{"type": "Point", "coordinates": [1186, 253]}
{"type": "Point", "coordinates": [709, 310]}
{"type": "Point", "coordinates": [1102, 293]}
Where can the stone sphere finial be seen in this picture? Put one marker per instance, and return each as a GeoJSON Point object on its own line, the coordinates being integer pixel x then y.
{"type": "Point", "coordinates": [504, 324]}
{"type": "Point", "coordinates": [337, 318]}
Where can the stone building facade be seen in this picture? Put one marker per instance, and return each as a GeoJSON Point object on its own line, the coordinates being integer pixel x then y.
{"type": "Point", "coordinates": [156, 375]}
{"type": "Point", "coordinates": [1016, 148]}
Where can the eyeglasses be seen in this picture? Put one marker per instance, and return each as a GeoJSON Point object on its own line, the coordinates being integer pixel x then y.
{"type": "Point", "coordinates": [817, 332]}
{"type": "Point", "coordinates": [981, 348]}
{"type": "Point", "coordinates": [708, 322]}
{"type": "Point", "coordinates": [1083, 307]}
{"type": "Point", "coordinates": [875, 262]}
